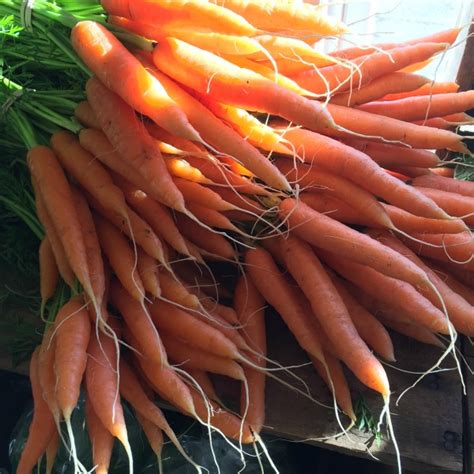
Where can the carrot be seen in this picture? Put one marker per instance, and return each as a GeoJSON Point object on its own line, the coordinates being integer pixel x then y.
{"type": "Point", "coordinates": [179, 143]}
{"type": "Point", "coordinates": [328, 234]}
{"type": "Point", "coordinates": [59, 204]}
{"type": "Point", "coordinates": [179, 324]}
{"type": "Point", "coordinates": [460, 312]}
{"type": "Point", "coordinates": [393, 292]}
{"type": "Point", "coordinates": [97, 143]}
{"type": "Point", "coordinates": [205, 382]}
{"type": "Point", "coordinates": [91, 241]}
{"type": "Point", "coordinates": [88, 172]}
{"type": "Point", "coordinates": [419, 333]}
{"type": "Point", "coordinates": [168, 385]}
{"type": "Point", "coordinates": [173, 290]}
{"type": "Point", "coordinates": [139, 322]}
{"type": "Point", "coordinates": [387, 155]}
{"type": "Point", "coordinates": [314, 178]}
{"type": "Point", "coordinates": [332, 314]}
{"type": "Point", "coordinates": [249, 127]}
{"type": "Point", "coordinates": [466, 277]}
{"type": "Point", "coordinates": [204, 238]}
{"type": "Point", "coordinates": [72, 334]}
{"type": "Point", "coordinates": [267, 70]}
{"type": "Point", "coordinates": [48, 271]}
{"type": "Point", "coordinates": [402, 220]}
{"type": "Point", "coordinates": [454, 204]}
{"type": "Point", "coordinates": [131, 140]}
{"type": "Point", "coordinates": [422, 107]}
{"type": "Point", "coordinates": [228, 424]}
{"type": "Point", "coordinates": [222, 137]}
{"type": "Point", "coordinates": [153, 434]}
{"type": "Point", "coordinates": [120, 256]}
{"type": "Point", "coordinates": [230, 84]}
{"type": "Point", "coordinates": [454, 248]}
{"type": "Point", "coordinates": [427, 89]}
{"type": "Point", "coordinates": [211, 217]}
{"type": "Point", "coordinates": [295, 18]}
{"type": "Point", "coordinates": [42, 425]}
{"type": "Point", "coordinates": [435, 122]}
{"type": "Point", "coordinates": [448, 184]}
{"type": "Point", "coordinates": [453, 283]}
{"type": "Point", "coordinates": [370, 330]}
{"type": "Point", "coordinates": [240, 201]}
{"type": "Point", "coordinates": [85, 115]}
{"type": "Point", "coordinates": [57, 248]}
{"type": "Point", "coordinates": [250, 306]}
{"type": "Point", "coordinates": [51, 452]}
{"type": "Point", "coordinates": [102, 386]}
{"type": "Point", "coordinates": [199, 14]}
{"type": "Point", "coordinates": [189, 356]}
{"type": "Point", "coordinates": [106, 57]}
{"type": "Point", "coordinates": [334, 377]}
{"type": "Point", "coordinates": [137, 229]}
{"type": "Point", "coordinates": [276, 291]}
{"type": "Point", "coordinates": [147, 269]}
{"type": "Point", "coordinates": [365, 69]}
{"type": "Point", "coordinates": [155, 214]}
{"type": "Point", "coordinates": [356, 166]}
{"type": "Point", "coordinates": [444, 172]}
{"type": "Point", "coordinates": [213, 308]}
{"type": "Point", "coordinates": [387, 128]}
{"type": "Point", "coordinates": [101, 440]}
{"type": "Point", "coordinates": [194, 192]}
{"type": "Point", "coordinates": [217, 42]}
{"type": "Point", "coordinates": [181, 168]}
{"type": "Point", "coordinates": [380, 87]}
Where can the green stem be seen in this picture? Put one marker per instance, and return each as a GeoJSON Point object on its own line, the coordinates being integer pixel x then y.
{"type": "Point", "coordinates": [23, 128]}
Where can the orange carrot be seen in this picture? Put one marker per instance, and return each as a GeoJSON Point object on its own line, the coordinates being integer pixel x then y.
{"type": "Point", "coordinates": [250, 306]}
{"type": "Point", "coordinates": [181, 168]}
{"type": "Point", "coordinates": [72, 334]}
{"type": "Point", "coordinates": [205, 382]}
{"type": "Point", "coordinates": [336, 382]}
{"type": "Point", "coordinates": [454, 204]}
{"type": "Point", "coordinates": [48, 270]}
{"type": "Point", "coordinates": [106, 56]}
{"type": "Point", "coordinates": [387, 128]}
{"type": "Point", "coordinates": [422, 107]}
{"type": "Point", "coordinates": [147, 269]}
{"type": "Point", "coordinates": [466, 277]}
{"type": "Point", "coordinates": [56, 246]}
{"type": "Point", "coordinates": [205, 15]}
{"type": "Point", "coordinates": [396, 293]}
{"type": "Point", "coordinates": [460, 312]}
{"type": "Point", "coordinates": [188, 356]}
{"type": "Point", "coordinates": [356, 166]}
{"type": "Point", "coordinates": [370, 330]}
{"type": "Point", "coordinates": [230, 84]}
{"type": "Point", "coordinates": [131, 140]}
{"type": "Point", "coordinates": [332, 314]}
{"type": "Point", "coordinates": [427, 89]}
{"type": "Point", "coordinates": [314, 178]}
{"type": "Point", "coordinates": [364, 69]}
{"type": "Point", "coordinates": [230, 425]}
{"type": "Point", "coordinates": [275, 289]}
{"type": "Point", "coordinates": [413, 331]}
{"type": "Point", "coordinates": [390, 83]}
{"type": "Point", "coordinates": [120, 256]}
{"type": "Point", "coordinates": [328, 234]}
{"type": "Point", "coordinates": [101, 440]}
{"type": "Point", "coordinates": [211, 217]}
{"type": "Point", "coordinates": [205, 239]}
{"type": "Point", "coordinates": [387, 155]}
{"type": "Point", "coordinates": [91, 241]}
{"type": "Point", "coordinates": [222, 137]}
{"type": "Point", "coordinates": [444, 172]}
{"type": "Point", "coordinates": [195, 332]}
{"type": "Point", "coordinates": [85, 115]}
{"type": "Point", "coordinates": [51, 452]}
{"type": "Point", "coordinates": [139, 322]}
{"type": "Point", "coordinates": [173, 290]}
{"type": "Point", "coordinates": [58, 201]}
{"type": "Point", "coordinates": [168, 385]}
{"type": "Point", "coordinates": [448, 184]}
{"type": "Point", "coordinates": [42, 425]}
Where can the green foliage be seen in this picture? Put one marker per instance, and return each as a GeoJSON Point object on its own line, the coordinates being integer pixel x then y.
{"type": "Point", "coordinates": [366, 422]}
{"type": "Point", "coordinates": [463, 172]}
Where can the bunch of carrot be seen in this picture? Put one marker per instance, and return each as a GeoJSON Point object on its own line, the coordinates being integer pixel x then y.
{"type": "Point", "coordinates": [335, 210]}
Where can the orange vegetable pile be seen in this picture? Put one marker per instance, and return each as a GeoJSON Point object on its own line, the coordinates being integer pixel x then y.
{"type": "Point", "coordinates": [336, 210]}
